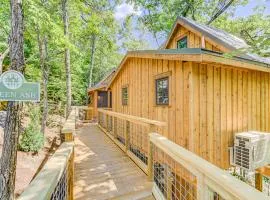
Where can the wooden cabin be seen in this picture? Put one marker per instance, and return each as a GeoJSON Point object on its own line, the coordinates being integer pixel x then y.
{"type": "Point", "coordinates": [205, 96]}
{"type": "Point", "coordinates": [100, 96]}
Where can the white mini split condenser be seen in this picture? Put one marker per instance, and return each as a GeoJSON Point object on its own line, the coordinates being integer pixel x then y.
{"type": "Point", "coordinates": [251, 150]}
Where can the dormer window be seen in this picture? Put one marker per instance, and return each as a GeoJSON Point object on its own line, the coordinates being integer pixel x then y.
{"type": "Point", "coordinates": [182, 43]}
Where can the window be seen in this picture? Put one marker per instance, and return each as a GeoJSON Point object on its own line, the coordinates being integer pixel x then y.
{"type": "Point", "coordinates": [125, 96]}
{"type": "Point", "coordinates": [102, 99]}
{"type": "Point", "coordinates": [182, 43]}
{"type": "Point", "coordinates": [162, 91]}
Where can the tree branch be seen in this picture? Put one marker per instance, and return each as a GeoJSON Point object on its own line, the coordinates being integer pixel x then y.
{"type": "Point", "coordinates": [2, 57]}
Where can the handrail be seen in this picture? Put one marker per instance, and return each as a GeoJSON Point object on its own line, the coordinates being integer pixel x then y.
{"type": "Point", "coordinates": [130, 133]}
{"type": "Point", "coordinates": [44, 184]}
{"type": "Point", "coordinates": [134, 119]}
{"type": "Point", "coordinates": [211, 176]}
{"type": "Point", "coordinates": [55, 180]}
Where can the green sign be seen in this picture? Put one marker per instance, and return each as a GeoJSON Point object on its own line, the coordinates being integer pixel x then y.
{"type": "Point", "coordinates": [13, 87]}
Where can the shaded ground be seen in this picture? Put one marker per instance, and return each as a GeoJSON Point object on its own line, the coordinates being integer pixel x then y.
{"type": "Point", "coordinates": [103, 171]}
{"type": "Point", "coordinates": [28, 163]}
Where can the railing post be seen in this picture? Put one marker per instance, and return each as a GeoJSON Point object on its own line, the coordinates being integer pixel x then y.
{"type": "Point", "coordinates": [150, 161]}
{"type": "Point", "coordinates": [258, 181]}
{"type": "Point", "coordinates": [66, 136]}
{"type": "Point", "coordinates": [114, 127]}
{"type": "Point", "coordinates": [202, 189]}
{"type": "Point", "coordinates": [127, 129]}
{"type": "Point", "coordinates": [150, 154]}
{"type": "Point", "coordinates": [169, 187]}
{"type": "Point", "coordinates": [71, 176]}
{"type": "Point", "coordinates": [107, 123]}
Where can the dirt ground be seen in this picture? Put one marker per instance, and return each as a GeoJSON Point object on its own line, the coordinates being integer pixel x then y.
{"type": "Point", "coordinates": [28, 164]}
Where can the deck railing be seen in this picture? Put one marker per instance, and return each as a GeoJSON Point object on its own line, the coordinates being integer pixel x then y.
{"type": "Point", "coordinates": [130, 133]}
{"type": "Point", "coordinates": [85, 113]}
{"type": "Point", "coordinates": [55, 180]}
{"type": "Point", "coordinates": [181, 174]}
{"type": "Point", "coordinates": [177, 173]}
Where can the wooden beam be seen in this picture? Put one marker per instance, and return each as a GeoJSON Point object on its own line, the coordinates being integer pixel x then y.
{"type": "Point", "coordinates": [258, 181]}
{"type": "Point", "coordinates": [202, 42]}
{"type": "Point", "coordinates": [134, 119]}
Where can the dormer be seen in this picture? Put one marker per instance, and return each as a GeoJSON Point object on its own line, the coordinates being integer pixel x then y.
{"type": "Point", "coordinates": [187, 33]}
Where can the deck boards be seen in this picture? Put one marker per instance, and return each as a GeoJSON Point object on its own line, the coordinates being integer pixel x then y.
{"type": "Point", "coordinates": [103, 171]}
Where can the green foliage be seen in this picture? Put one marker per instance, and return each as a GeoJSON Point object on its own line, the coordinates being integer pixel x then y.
{"type": "Point", "coordinates": [238, 176]}
{"type": "Point", "coordinates": [32, 139]}
{"type": "Point", "coordinates": [88, 18]}
{"type": "Point", "coordinates": [254, 29]}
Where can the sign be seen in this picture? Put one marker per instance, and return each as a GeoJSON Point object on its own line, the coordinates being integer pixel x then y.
{"type": "Point", "coordinates": [13, 87]}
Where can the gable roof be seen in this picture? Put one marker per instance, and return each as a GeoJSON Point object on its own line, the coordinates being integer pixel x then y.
{"type": "Point", "coordinates": [217, 35]}
{"type": "Point", "coordinates": [223, 38]}
{"type": "Point", "coordinates": [104, 82]}
{"type": "Point", "coordinates": [195, 55]}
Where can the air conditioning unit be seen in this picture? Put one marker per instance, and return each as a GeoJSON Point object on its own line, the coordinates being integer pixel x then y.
{"type": "Point", "coordinates": [251, 150]}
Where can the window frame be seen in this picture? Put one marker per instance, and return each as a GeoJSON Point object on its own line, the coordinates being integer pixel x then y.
{"type": "Point", "coordinates": [165, 75]}
{"type": "Point", "coordinates": [181, 38]}
{"type": "Point", "coordinates": [124, 103]}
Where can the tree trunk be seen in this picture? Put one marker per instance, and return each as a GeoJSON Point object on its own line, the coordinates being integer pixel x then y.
{"type": "Point", "coordinates": [91, 65]}
{"type": "Point", "coordinates": [43, 51]}
{"type": "Point", "coordinates": [2, 57]}
{"type": "Point", "coordinates": [92, 59]}
{"type": "Point", "coordinates": [12, 126]}
{"type": "Point", "coordinates": [67, 55]}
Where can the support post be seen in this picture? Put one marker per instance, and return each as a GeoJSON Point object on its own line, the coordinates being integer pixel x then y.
{"type": "Point", "coordinates": [107, 123]}
{"type": "Point", "coordinates": [258, 181]}
{"type": "Point", "coordinates": [71, 176]}
{"type": "Point", "coordinates": [66, 136]}
{"type": "Point", "coordinates": [98, 118]}
{"type": "Point", "coordinates": [150, 154]}
{"type": "Point", "coordinates": [127, 143]}
{"type": "Point", "coordinates": [150, 161]}
{"type": "Point", "coordinates": [169, 187]}
{"type": "Point", "coordinates": [202, 42]}
{"type": "Point", "coordinates": [114, 127]}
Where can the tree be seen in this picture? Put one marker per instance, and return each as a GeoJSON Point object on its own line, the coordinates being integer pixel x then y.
{"type": "Point", "coordinates": [43, 51]}
{"type": "Point", "coordinates": [43, 57]}
{"type": "Point", "coordinates": [254, 29]}
{"type": "Point", "coordinates": [12, 126]}
{"type": "Point", "coordinates": [159, 15]}
{"type": "Point", "coordinates": [67, 54]}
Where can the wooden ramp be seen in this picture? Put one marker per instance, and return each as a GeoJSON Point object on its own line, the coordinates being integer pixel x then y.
{"type": "Point", "coordinates": [103, 171]}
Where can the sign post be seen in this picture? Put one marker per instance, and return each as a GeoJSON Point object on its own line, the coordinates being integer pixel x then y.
{"type": "Point", "coordinates": [14, 87]}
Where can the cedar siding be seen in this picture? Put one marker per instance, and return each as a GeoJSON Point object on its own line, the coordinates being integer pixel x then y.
{"type": "Point", "coordinates": [208, 102]}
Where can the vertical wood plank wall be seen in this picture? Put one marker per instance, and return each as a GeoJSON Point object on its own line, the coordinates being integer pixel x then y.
{"type": "Point", "coordinates": [93, 104]}
{"type": "Point", "coordinates": [208, 103]}
{"type": "Point", "coordinates": [194, 40]}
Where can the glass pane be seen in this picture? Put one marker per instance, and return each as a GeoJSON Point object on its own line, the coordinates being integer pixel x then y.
{"type": "Point", "coordinates": [162, 91]}
{"type": "Point", "coordinates": [182, 43]}
{"type": "Point", "coordinates": [124, 96]}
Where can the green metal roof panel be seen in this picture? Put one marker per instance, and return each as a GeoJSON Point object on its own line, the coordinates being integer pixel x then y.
{"type": "Point", "coordinates": [197, 51]}
{"type": "Point", "coordinates": [170, 51]}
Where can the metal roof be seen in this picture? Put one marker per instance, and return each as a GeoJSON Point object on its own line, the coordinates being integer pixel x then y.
{"type": "Point", "coordinates": [104, 82]}
{"type": "Point", "coordinates": [227, 39]}
{"type": "Point", "coordinates": [189, 51]}
{"type": "Point", "coordinates": [222, 37]}
{"type": "Point", "coordinates": [251, 58]}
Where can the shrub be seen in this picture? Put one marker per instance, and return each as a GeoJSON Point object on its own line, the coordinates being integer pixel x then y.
{"type": "Point", "coordinates": [32, 139]}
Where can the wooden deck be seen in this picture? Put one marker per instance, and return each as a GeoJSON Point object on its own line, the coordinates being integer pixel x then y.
{"type": "Point", "coordinates": [103, 171]}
